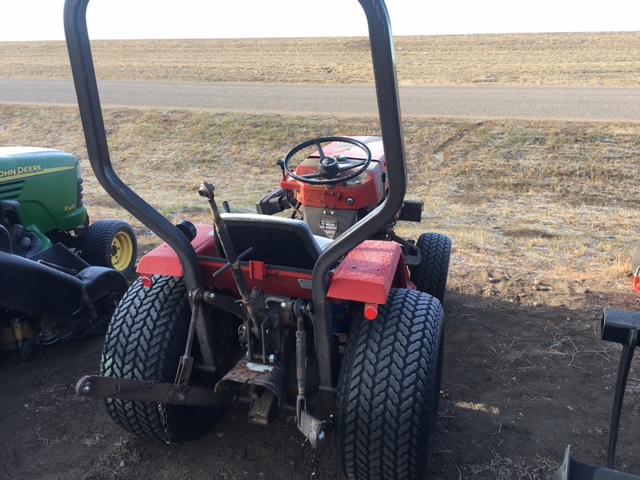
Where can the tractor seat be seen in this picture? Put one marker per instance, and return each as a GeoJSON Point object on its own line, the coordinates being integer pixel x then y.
{"type": "Point", "coordinates": [277, 241]}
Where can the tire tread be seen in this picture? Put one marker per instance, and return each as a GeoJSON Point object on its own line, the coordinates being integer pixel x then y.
{"type": "Point", "coordinates": [386, 400]}
{"type": "Point", "coordinates": [430, 275]}
{"type": "Point", "coordinates": [142, 343]}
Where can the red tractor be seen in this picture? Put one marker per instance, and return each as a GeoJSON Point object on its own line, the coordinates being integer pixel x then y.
{"type": "Point", "coordinates": [271, 308]}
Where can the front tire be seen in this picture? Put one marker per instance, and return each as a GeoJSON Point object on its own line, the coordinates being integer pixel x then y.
{"type": "Point", "coordinates": [145, 340]}
{"type": "Point", "coordinates": [430, 275]}
{"type": "Point", "coordinates": [389, 389]}
{"type": "Point", "coordinates": [111, 244]}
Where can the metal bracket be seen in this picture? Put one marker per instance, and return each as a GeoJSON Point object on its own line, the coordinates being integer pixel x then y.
{"type": "Point", "coordinates": [412, 258]}
{"type": "Point", "coordinates": [622, 327]}
{"type": "Point", "coordinates": [262, 410]}
{"type": "Point", "coordinates": [146, 391]}
{"type": "Point", "coordinates": [271, 377]}
{"type": "Point", "coordinates": [573, 470]}
{"type": "Point", "coordinates": [311, 428]}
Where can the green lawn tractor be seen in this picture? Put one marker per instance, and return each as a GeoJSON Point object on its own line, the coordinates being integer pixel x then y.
{"type": "Point", "coordinates": [59, 275]}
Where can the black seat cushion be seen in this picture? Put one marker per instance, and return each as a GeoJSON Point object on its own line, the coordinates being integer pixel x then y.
{"type": "Point", "coordinates": [275, 240]}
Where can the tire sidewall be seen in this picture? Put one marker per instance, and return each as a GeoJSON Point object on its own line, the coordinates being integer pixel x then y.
{"type": "Point", "coordinates": [97, 240]}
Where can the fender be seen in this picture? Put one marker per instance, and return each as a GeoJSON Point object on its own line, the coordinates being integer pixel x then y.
{"type": "Point", "coordinates": [273, 280]}
{"type": "Point", "coordinates": [368, 272]}
{"type": "Point", "coordinates": [54, 293]}
{"type": "Point", "coordinates": [163, 260]}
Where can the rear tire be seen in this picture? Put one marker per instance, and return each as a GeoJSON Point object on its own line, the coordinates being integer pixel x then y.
{"type": "Point", "coordinates": [430, 275]}
{"type": "Point", "coordinates": [388, 390]}
{"type": "Point", "coordinates": [111, 244]}
{"type": "Point", "coordinates": [145, 340]}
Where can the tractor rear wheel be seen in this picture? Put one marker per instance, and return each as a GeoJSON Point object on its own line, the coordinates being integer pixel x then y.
{"type": "Point", "coordinates": [145, 340]}
{"type": "Point", "coordinates": [388, 390]}
{"type": "Point", "coordinates": [430, 275]}
{"type": "Point", "coordinates": [112, 244]}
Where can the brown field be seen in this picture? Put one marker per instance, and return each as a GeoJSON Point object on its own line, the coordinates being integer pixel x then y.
{"type": "Point", "coordinates": [603, 59]}
{"type": "Point", "coordinates": [543, 216]}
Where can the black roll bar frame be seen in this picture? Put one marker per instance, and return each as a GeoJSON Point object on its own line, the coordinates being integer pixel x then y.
{"type": "Point", "coordinates": [384, 69]}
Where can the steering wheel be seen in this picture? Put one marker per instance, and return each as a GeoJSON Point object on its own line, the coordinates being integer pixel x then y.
{"type": "Point", "coordinates": [330, 168]}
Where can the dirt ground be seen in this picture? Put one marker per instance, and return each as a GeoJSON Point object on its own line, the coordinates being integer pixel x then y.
{"type": "Point", "coordinates": [525, 376]}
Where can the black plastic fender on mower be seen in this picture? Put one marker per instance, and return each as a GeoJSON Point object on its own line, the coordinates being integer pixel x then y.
{"type": "Point", "coordinates": [42, 302]}
{"type": "Point", "coordinates": [60, 276]}
{"type": "Point", "coordinates": [269, 310]}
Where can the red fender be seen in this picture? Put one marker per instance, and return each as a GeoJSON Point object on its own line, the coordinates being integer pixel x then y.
{"type": "Point", "coordinates": [163, 260]}
{"type": "Point", "coordinates": [368, 273]}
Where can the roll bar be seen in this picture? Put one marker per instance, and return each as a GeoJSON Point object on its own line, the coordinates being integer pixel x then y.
{"type": "Point", "coordinates": [382, 52]}
{"type": "Point", "coordinates": [84, 79]}
{"type": "Point", "coordinates": [384, 70]}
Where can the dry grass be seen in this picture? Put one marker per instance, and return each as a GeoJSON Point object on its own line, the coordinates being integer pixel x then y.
{"type": "Point", "coordinates": [576, 59]}
{"type": "Point", "coordinates": [510, 193]}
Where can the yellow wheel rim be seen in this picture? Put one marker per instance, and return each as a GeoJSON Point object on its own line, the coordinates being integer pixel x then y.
{"type": "Point", "coordinates": [121, 251]}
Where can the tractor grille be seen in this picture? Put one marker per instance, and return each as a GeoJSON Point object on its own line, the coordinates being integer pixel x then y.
{"type": "Point", "coordinates": [11, 190]}
{"type": "Point", "coordinates": [80, 188]}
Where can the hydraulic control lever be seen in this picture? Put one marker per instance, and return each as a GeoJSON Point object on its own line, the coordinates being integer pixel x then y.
{"type": "Point", "coordinates": [206, 190]}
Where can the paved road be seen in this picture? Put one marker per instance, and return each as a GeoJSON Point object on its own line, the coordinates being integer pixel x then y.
{"type": "Point", "coordinates": [591, 103]}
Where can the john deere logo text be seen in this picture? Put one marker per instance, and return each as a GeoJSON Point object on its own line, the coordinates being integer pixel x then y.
{"type": "Point", "coordinates": [14, 172]}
